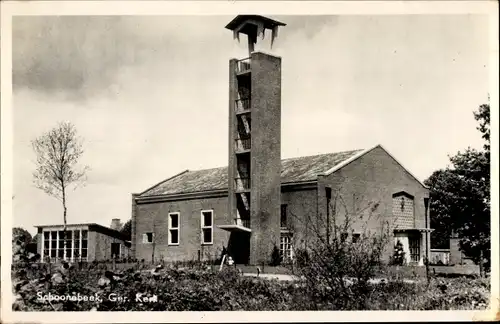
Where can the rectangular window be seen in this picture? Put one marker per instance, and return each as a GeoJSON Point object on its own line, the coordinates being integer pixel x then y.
{"type": "Point", "coordinates": [283, 221]}
{"type": "Point", "coordinates": [147, 237]}
{"type": "Point", "coordinates": [207, 227]}
{"type": "Point", "coordinates": [414, 243]}
{"type": "Point", "coordinates": [285, 247]}
{"type": "Point", "coordinates": [173, 228]}
{"type": "Point", "coordinates": [355, 237]}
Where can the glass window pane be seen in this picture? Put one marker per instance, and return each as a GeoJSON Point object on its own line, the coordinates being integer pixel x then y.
{"type": "Point", "coordinates": [174, 221]}
{"type": "Point", "coordinates": [207, 235]}
{"type": "Point", "coordinates": [84, 244]}
{"type": "Point", "coordinates": [84, 253]}
{"type": "Point", "coordinates": [77, 234]}
{"type": "Point", "coordinates": [77, 244]}
{"type": "Point", "coordinates": [69, 235]}
{"type": "Point", "coordinates": [84, 234]}
{"type": "Point", "coordinates": [46, 235]}
{"type": "Point", "coordinates": [53, 235]}
{"type": "Point", "coordinates": [207, 219]}
{"type": "Point", "coordinates": [53, 253]}
{"type": "Point", "coordinates": [53, 244]}
{"type": "Point", "coordinates": [60, 253]}
{"type": "Point", "coordinates": [46, 244]}
{"type": "Point", "coordinates": [68, 253]}
{"type": "Point", "coordinates": [61, 235]}
{"type": "Point", "coordinates": [174, 236]}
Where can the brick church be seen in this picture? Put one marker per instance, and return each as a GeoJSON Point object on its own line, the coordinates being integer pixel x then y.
{"type": "Point", "coordinates": [260, 201]}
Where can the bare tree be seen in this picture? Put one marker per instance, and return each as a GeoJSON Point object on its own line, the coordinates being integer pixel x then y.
{"type": "Point", "coordinates": [58, 152]}
{"type": "Point", "coordinates": [339, 262]}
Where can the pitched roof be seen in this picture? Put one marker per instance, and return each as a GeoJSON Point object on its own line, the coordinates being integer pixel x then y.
{"type": "Point", "coordinates": [293, 170]}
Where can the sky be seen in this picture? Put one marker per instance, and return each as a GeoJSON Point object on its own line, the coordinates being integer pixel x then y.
{"type": "Point", "coordinates": [149, 96]}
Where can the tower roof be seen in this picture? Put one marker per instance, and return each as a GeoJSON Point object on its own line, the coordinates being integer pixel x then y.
{"type": "Point", "coordinates": [240, 19]}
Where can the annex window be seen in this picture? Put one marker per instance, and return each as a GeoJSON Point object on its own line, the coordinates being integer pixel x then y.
{"type": "Point", "coordinates": [84, 239]}
{"type": "Point", "coordinates": [207, 226]}
{"type": "Point", "coordinates": [286, 252]}
{"type": "Point", "coordinates": [283, 221]}
{"type": "Point", "coordinates": [173, 228]}
{"type": "Point", "coordinates": [147, 237]}
{"type": "Point", "coordinates": [68, 246]}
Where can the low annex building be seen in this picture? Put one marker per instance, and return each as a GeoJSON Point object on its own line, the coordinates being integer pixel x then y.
{"type": "Point", "coordinates": [84, 242]}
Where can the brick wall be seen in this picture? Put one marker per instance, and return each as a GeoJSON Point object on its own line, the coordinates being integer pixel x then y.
{"type": "Point", "coordinates": [301, 212]}
{"type": "Point", "coordinates": [100, 244]}
{"type": "Point", "coordinates": [371, 179]}
{"type": "Point", "coordinates": [155, 215]}
{"type": "Point", "coordinates": [301, 207]}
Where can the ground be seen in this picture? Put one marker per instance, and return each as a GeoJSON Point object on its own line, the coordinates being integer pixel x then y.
{"type": "Point", "coordinates": [205, 288]}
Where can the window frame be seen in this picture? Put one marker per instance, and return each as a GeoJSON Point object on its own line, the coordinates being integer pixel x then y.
{"type": "Point", "coordinates": [415, 247]}
{"type": "Point", "coordinates": [284, 216]}
{"type": "Point", "coordinates": [171, 228]}
{"type": "Point", "coordinates": [211, 227]}
{"type": "Point", "coordinates": [286, 247]}
{"type": "Point", "coordinates": [73, 244]}
{"type": "Point", "coordinates": [145, 235]}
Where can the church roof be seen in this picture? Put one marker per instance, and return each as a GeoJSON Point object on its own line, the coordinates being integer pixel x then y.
{"type": "Point", "coordinates": [293, 170]}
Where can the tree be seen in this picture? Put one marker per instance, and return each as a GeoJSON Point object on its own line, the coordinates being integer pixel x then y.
{"type": "Point", "coordinates": [20, 240]}
{"type": "Point", "coordinates": [126, 229]}
{"type": "Point", "coordinates": [58, 152]}
{"type": "Point", "coordinates": [22, 236]}
{"type": "Point", "coordinates": [460, 197]}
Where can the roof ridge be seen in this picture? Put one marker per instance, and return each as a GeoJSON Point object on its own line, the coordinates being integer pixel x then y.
{"type": "Point", "coordinates": [320, 154]}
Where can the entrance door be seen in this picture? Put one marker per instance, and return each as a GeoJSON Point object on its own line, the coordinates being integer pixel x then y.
{"type": "Point", "coordinates": [239, 247]}
{"type": "Point", "coordinates": [115, 250]}
{"type": "Point", "coordinates": [414, 242]}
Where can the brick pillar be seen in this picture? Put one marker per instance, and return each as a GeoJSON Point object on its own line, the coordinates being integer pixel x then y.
{"type": "Point", "coordinates": [265, 195]}
{"type": "Point", "coordinates": [133, 226]}
{"type": "Point", "coordinates": [455, 253]}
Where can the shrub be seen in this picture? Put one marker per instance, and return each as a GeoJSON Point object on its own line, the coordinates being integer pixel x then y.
{"type": "Point", "coordinates": [399, 254]}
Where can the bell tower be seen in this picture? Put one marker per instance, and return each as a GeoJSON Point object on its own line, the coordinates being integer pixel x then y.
{"type": "Point", "coordinates": [254, 166]}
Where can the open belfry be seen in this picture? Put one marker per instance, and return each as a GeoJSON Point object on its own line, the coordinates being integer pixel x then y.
{"type": "Point", "coordinates": [254, 144]}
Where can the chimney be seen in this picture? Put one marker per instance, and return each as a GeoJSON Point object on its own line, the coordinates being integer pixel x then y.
{"type": "Point", "coordinates": [116, 224]}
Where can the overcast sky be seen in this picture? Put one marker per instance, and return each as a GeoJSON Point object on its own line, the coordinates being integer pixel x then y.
{"type": "Point", "coordinates": [150, 96]}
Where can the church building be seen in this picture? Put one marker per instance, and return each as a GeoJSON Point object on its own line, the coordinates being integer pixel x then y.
{"type": "Point", "coordinates": [261, 202]}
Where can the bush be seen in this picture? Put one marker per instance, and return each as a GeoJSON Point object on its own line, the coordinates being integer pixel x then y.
{"type": "Point", "coordinates": [198, 289]}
